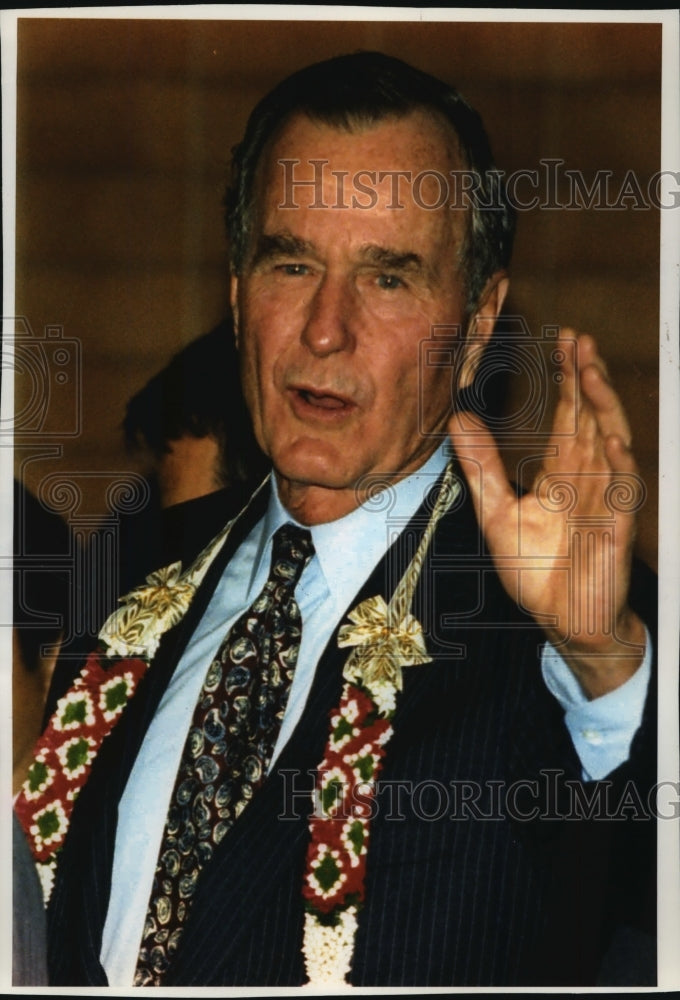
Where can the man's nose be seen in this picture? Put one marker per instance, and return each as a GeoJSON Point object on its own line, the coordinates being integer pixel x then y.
{"type": "Point", "coordinates": [331, 317]}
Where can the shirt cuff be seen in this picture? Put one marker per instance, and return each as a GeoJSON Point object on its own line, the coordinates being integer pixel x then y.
{"type": "Point", "coordinates": [601, 729]}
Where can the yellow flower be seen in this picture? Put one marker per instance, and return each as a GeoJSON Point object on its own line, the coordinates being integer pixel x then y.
{"type": "Point", "coordinates": [383, 646]}
{"type": "Point", "coordinates": [148, 611]}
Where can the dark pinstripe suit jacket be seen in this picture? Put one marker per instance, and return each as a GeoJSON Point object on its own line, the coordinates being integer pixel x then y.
{"type": "Point", "coordinates": [466, 884]}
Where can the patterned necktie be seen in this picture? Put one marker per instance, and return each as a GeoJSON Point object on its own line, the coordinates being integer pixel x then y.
{"type": "Point", "coordinates": [228, 748]}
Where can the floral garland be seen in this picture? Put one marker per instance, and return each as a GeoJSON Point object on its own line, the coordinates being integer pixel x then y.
{"type": "Point", "coordinates": [386, 638]}
{"type": "Point", "coordinates": [64, 754]}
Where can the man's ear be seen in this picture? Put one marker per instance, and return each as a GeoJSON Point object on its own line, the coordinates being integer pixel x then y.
{"type": "Point", "coordinates": [233, 298]}
{"type": "Point", "coordinates": [481, 325]}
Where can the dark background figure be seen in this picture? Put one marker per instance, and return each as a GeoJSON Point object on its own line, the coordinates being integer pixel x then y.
{"type": "Point", "coordinates": [190, 426]}
{"type": "Point", "coordinates": [43, 561]}
{"type": "Point", "coordinates": [42, 581]}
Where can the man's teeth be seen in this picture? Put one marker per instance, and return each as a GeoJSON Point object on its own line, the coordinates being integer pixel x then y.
{"type": "Point", "coordinates": [325, 402]}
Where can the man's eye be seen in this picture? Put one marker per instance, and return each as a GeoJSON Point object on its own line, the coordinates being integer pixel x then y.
{"type": "Point", "coordinates": [293, 270]}
{"type": "Point", "coordinates": [389, 281]}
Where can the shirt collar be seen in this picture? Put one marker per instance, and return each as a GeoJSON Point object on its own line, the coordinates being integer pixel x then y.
{"type": "Point", "coordinates": [370, 529]}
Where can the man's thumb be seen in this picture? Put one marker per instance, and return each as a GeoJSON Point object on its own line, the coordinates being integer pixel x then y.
{"type": "Point", "coordinates": [477, 452]}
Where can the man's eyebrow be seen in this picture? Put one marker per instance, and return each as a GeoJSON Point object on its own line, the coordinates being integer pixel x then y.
{"type": "Point", "coordinates": [401, 262]}
{"type": "Point", "coordinates": [393, 260]}
{"type": "Point", "coordinates": [271, 245]}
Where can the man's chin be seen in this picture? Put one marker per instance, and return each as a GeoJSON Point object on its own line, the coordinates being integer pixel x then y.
{"type": "Point", "coordinates": [314, 476]}
{"type": "Point", "coordinates": [322, 468]}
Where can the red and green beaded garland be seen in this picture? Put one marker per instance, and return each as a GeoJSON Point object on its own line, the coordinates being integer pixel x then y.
{"type": "Point", "coordinates": [340, 830]}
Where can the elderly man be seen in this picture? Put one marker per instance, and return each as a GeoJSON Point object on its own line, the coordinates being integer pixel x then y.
{"type": "Point", "coordinates": [379, 731]}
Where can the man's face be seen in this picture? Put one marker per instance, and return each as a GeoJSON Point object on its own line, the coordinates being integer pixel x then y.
{"type": "Point", "coordinates": [333, 302]}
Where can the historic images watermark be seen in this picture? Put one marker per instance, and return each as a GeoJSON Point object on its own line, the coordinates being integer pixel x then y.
{"type": "Point", "coordinates": [46, 368]}
{"type": "Point", "coordinates": [548, 796]}
{"type": "Point", "coordinates": [535, 362]}
{"type": "Point", "coordinates": [548, 186]}
{"type": "Point", "coordinates": [47, 371]}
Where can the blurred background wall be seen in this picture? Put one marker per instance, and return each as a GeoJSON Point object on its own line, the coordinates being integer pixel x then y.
{"type": "Point", "coordinates": [124, 135]}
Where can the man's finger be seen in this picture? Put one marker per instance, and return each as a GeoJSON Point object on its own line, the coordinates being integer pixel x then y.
{"type": "Point", "coordinates": [482, 465]}
{"type": "Point", "coordinates": [606, 405]}
{"type": "Point", "coordinates": [599, 393]}
{"type": "Point", "coordinates": [620, 455]}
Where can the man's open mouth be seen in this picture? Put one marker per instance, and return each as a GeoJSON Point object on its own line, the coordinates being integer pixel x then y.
{"type": "Point", "coordinates": [323, 400]}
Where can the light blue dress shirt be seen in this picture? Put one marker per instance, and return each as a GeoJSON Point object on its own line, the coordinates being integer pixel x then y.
{"type": "Point", "coordinates": [602, 730]}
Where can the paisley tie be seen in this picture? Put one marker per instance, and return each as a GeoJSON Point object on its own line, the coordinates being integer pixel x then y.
{"type": "Point", "coordinates": [228, 748]}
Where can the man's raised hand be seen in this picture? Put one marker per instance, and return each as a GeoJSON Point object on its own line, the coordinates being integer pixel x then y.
{"type": "Point", "coordinates": [563, 550]}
